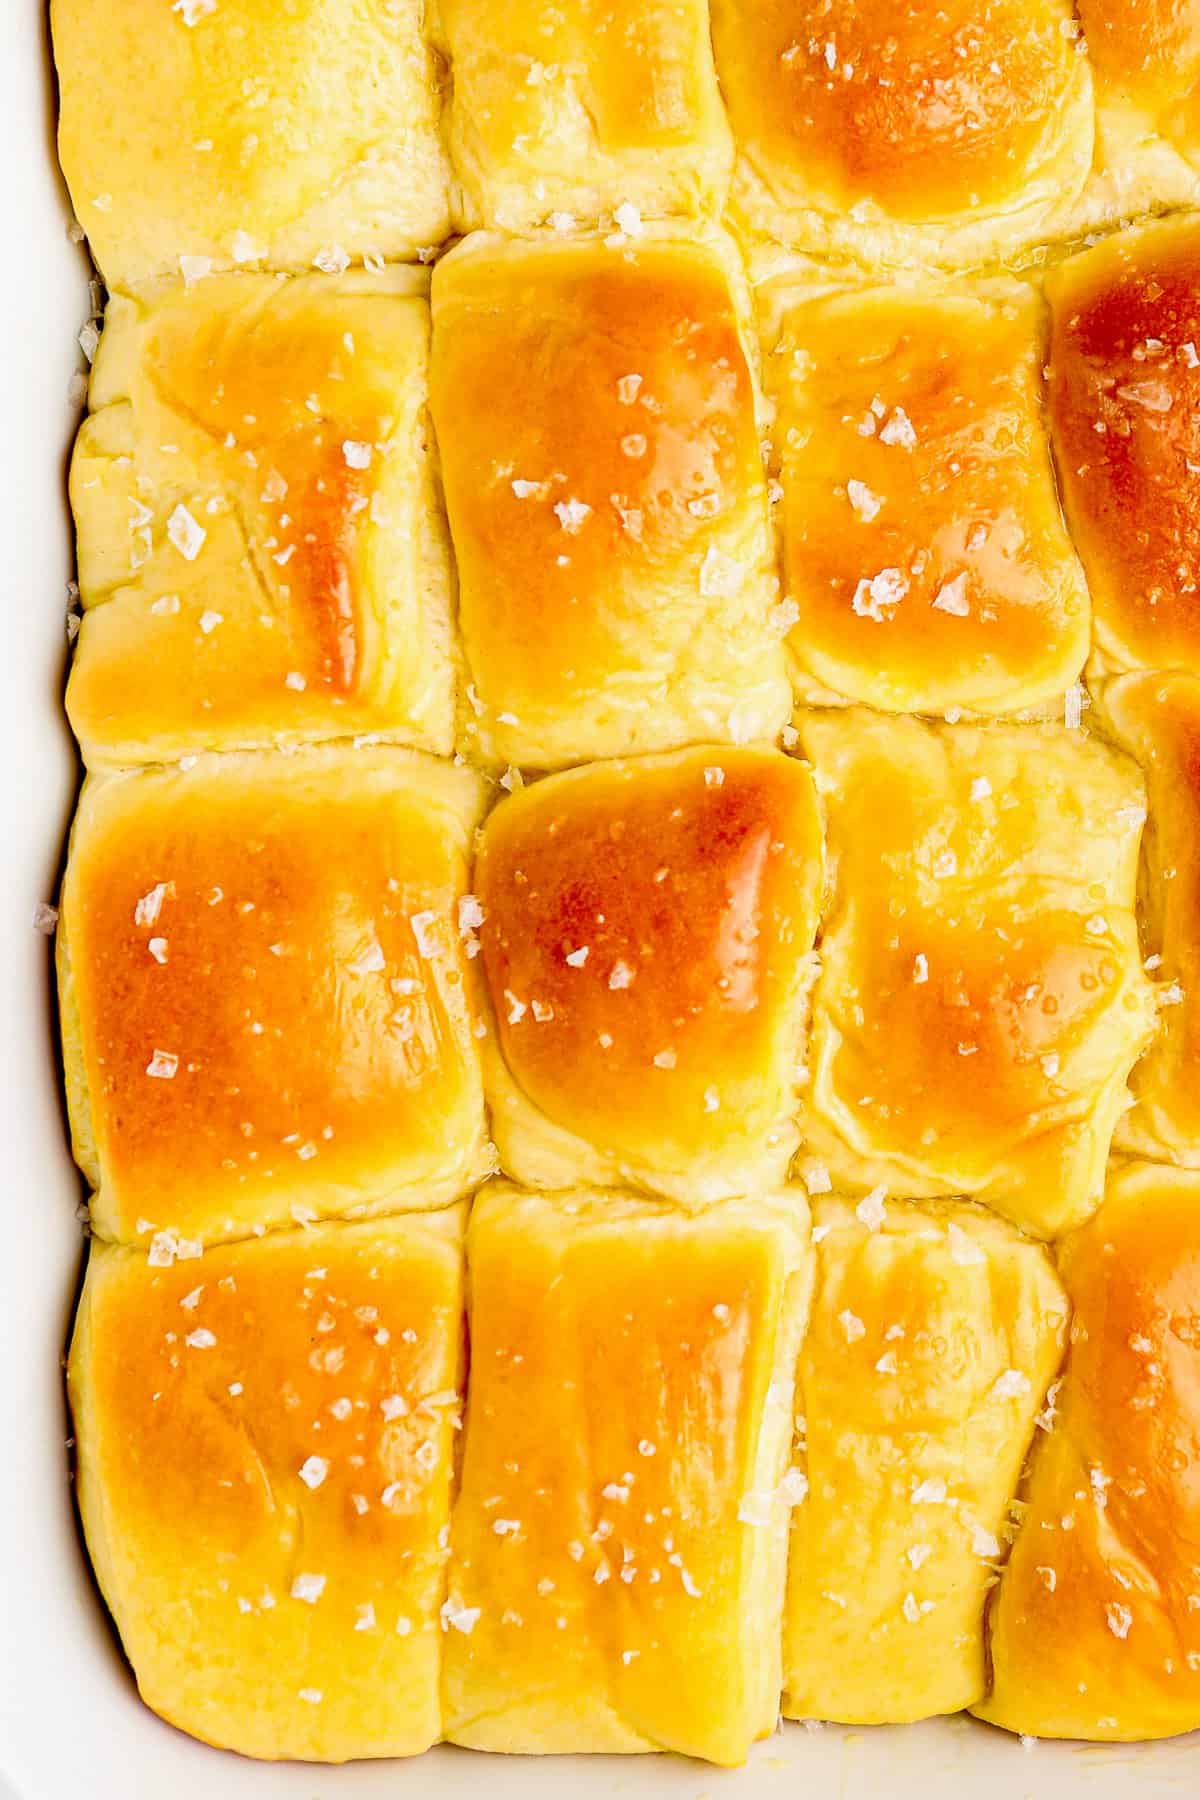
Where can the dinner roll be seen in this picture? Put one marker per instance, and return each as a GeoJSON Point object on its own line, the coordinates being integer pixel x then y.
{"type": "Point", "coordinates": [946, 134]}
{"type": "Point", "coordinates": [1124, 389]}
{"type": "Point", "coordinates": [1145, 62]}
{"type": "Point", "coordinates": [1095, 1632]}
{"type": "Point", "coordinates": [595, 411]}
{"type": "Point", "coordinates": [647, 929]}
{"type": "Point", "coordinates": [981, 997]}
{"type": "Point", "coordinates": [924, 549]}
{"type": "Point", "coordinates": [935, 1332]}
{"type": "Point", "coordinates": [1157, 718]}
{"type": "Point", "coordinates": [265, 1006]}
{"type": "Point", "coordinates": [579, 112]}
{"type": "Point", "coordinates": [616, 1578]}
{"type": "Point", "coordinates": [265, 1448]}
{"type": "Point", "coordinates": [261, 554]}
{"type": "Point", "coordinates": [199, 134]}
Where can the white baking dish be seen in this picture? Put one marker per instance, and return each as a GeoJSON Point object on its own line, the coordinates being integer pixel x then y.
{"type": "Point", "coordinates": [69, 1718]}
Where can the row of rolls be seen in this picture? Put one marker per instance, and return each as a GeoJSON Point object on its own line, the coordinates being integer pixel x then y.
{"type": "Point", "coordinates": [701, 1458]}
{"type": "Point", "coordinates": [245, 132]}
{"type": "Point", "coordinates": [592, 497]}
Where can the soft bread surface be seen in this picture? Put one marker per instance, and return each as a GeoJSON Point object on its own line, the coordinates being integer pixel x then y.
{"type": "Point", "coordinates": [568, 113]}
{"type": "Point", "coordinates": [935, 1331]}
{"type": "Point", "coordinates": [217, 132]}
{"type": "Point", "coordinates": [1157, 718]}
{"type": "Point", "coordinates": [646, 937]}
{"type": "Point", "coordinates": [595, 409]}
{"type": "Point", "coordinates": [981, 996]}
{"type": "Point", "coordinates": [261, 555]}
{"type": "Point", "coordinates": [629, 1418]}
{"type": "Point", "coordinates": [1095, 1631]}
{"type": "Point", "coordinates": [1124, 392]}
{"type": "Point", "coordinates": [945, 133]}
{"type": "Point", "coordinates": [923, 545]}
{"type": "Point", "coordinates": [264, 1465]}
{"type": "Point", "coordinates": [266, 1012]}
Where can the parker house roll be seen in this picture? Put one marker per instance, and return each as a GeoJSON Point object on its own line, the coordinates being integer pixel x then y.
{"type": "Point", "coordinates": [1095, 1631]}
{"type": "Point", "coordinates": [935, 1332]}
{"type": "Point", "coordinates": [595, 412]}
{"type": "Point", "coordinates": [981, 996]}
{"type": "Point", "coordinates": [1157, 718]}
{"type": "Point", "coordinates": [942, 134]}
{"type": "Point", "coordinates": [265, 1448]}
{"type": "Point", "coordinates": [1145, 62]}
{"type": "Point", "coordinates": [582, 112]}
{"type": "Point", "coordinates": [209, 133]}
{"type": "Point", "coordinates": [618, 1540]}
{"type": "Point", "coordinates": [261, 553]}
{"type": "Point", "coordinates": [1124, 391]}
{"type": "Point", "coordinates": [924, 551]}
{"type": "Point", "coordinates": [647, 928]}
{"type": "Point", "coordinates": [265, 1002]}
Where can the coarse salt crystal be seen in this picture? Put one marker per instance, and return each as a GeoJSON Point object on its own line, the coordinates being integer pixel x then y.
{"type": "Point", "coordinates": [194, 269]}
{"type": "Point", "coordinates": [721, 576]}
{"type": "Point", "coordinates": [628, 219]}
{"type": "Point", "coordinates": [571, 515]}
{"type": "Point", "coordinates": [313, 1696]}
{"type": "Point", "coordinates": [186, 533]}
{"type": "Point", "coordinates": [981, 788]}
{"type": "Point", "coordinates": [393, 1406]}
{"type": "Point", "coordinates": [816, 1179]}
{"type": "Point", "coordinates": [577, 958]}
{"type": "Point", "coordinates": [332, 261]}
{"type": "Point", "coordinates": [877, 597]}
{"type": "Point", "coordinates": [898, 430]}
{"type": "Point", "coordinates": [308, 1588]}
{"type": "Point", "coordinates": [1119, 1618]}
{"type": "Point", "coordinates": [920, 968]}
{"type": "Point", "coordinates": [313, 1471]}
{"type": "Point", "coordinates": [621, 975]}
{"type": "Point", "coordinates": [162, 1065]}
{"type": "Point", "coordinates": [462, 1618]}
{"type": "Point", "coordinates": [45, 918]}
{"type": "Point", "coordinates": [865, 503]}
{"type": "Point", "coordinates": [364, 1617]}
{"type": "Point", "coordinates": [871, 1210]}
{"type": "Point", "coordinates": [370, 962]}
{"type": "Point", "coordinates": [951, 597]}
{"type": "Point", "coordinates": [1011, 1385]}
{"type": "Point", "coordinates": [192, 11]}
{"type": "Point", "coordinates": [422, 929]}
{"type": "Point", "coordinates": [209, 621]}
{"type": "Point", "coordinates": [245, 249]}
{"type": "Point", "coordinates": [852, 1326]}
{"type": "Point", "coordinates": [356, 455]}
{"type": "Point", "coordinates": [200, 1339]}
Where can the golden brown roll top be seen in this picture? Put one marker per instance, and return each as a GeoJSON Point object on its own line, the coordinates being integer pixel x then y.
{"type": "Point", "coordinates": [1124, 387]}
{"type": "Point", "coordinates": [266, 1012]}
{"type": "Point", "coordinates": [261, 555]}
{"type": "Point", "coordinates": [209, 133]}
{"type": "Point", "coordinates": [618, 1540]}
{"type": "Point", "coordinates": [939, 132]}
{"type": "Point", "coordinates": [981, 998]}
{"type": "Point", "coordinates": [1157, 718]}
{"type": "Point", "coordinates": [595, 412]}
{"type": "Point", "coordinates": [1095, 1632]}
{"type": "Point", "coordinates": [577, 112]}
{"type": "Point", "coordinates": [934, 1334]}
{"type": "Point", "coordinates": [924, 550]}
{"type": "Point", "coordinates": [647, 928]}
{"type": "Point", "coordinates": [265, 1448]}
